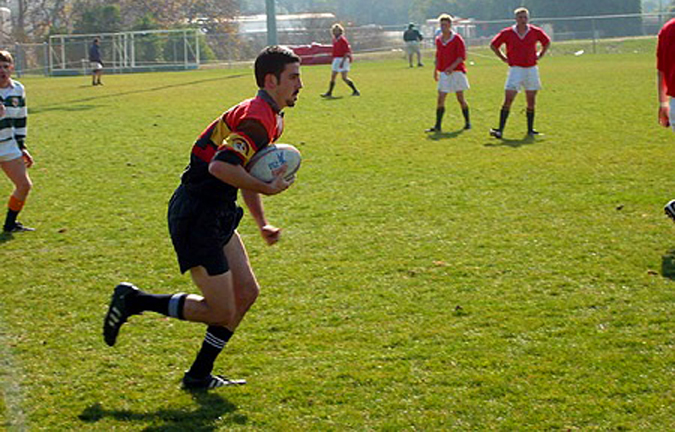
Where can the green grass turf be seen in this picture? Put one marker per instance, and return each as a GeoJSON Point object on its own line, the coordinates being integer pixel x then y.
{"type": "Point", "coordinates": [423, 282]}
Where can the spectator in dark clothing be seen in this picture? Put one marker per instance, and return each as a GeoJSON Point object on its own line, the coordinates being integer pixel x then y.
{"type": "Point", "coordinates": [412, 38]}
{"type": "Point", "coordinates": [95, 62]}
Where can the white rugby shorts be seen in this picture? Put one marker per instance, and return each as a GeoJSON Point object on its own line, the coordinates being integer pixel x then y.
{"type": "Point", "coordinates": [672, 113]}
{"type": "Point", "coordinates": [452, 82]}
{"type": "Point", "coordinates": [336, 64]}
{"type": "Point", "coordinates": [9, 151]}
{"type": "Point", "coordinates": [520, 77]}
{"type": "Point", "coordinates": [95, 66]}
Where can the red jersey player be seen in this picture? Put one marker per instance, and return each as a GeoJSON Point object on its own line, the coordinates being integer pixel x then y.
{"type": "Point", "coordinates": [521, 56]}
{"type": "Point", "coordinates": [665, 65]}
{"type": "Point", "coordinates": [450, 71]}
{"type": "Point", "coordinates": [342, 59]}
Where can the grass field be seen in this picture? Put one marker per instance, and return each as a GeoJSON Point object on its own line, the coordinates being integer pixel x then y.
{"type": "Point", "coordinates": [424, 282]}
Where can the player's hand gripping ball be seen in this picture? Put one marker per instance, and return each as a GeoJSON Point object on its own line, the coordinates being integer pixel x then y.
{"type": "Point", "coordinates": [270, 161]}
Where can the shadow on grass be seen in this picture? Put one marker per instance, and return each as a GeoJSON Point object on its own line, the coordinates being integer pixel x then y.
{"type": "Point", "coordinates": [437, 136]}
{"type": "Point", "coordinates": [331, 98]}
{"type": "Point", "coordinates": [68, 106]}
{"type": "Point", "coordinates": [668, 264]}
{"type": "Point", "coordinates": [5, 237]}
{"type": "Point", "coordinates": [514, 143]}
{"type": "Point", "coordinates": [211, 408]}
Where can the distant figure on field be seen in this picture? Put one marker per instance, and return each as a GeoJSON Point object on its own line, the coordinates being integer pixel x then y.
{"type": "Point", "coordinates": [14, 157]}
{"type": "Point", "coordinates": [450, 71]}
{"type": "Point", "coordinates": [522, 56]}
{"type": "Point", "coordinates": [342, 58]}
{"type": "Point", "coordinates": [665, 66]}
{"type": "Point", "coordinates": [412, 38]}
{"type": "Point", "coordinates": [95, 62]}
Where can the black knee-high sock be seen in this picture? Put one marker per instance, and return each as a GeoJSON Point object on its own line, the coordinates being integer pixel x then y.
{"type": "Point", "coordinates": [351, 84]}
{"type": "Point", "coordinates": [530, 120]}
{"type": "Point", "coordinates": [439, 117]}
{"type": "Point", "coordinates": [465, 111]}
{"type": "Point", "coordinates": [10, 219]}
{"type": "Point", "coordinates": [331, 86]}
{"type": "Point", "coordinates": [166, 304]}
{"type": "Point", "coordinates": [503, 115]}
{"type": "Point", "coordinates": [214, 342]}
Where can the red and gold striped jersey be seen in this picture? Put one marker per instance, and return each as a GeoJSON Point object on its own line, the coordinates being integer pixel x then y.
{"type": "Point", "coordinates": [234, 137]}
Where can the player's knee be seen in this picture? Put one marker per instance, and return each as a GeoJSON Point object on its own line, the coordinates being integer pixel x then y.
{"type": "Point", "coordinates": [24, 186]}
{"type": "Point", "coordinates": [252, 293]}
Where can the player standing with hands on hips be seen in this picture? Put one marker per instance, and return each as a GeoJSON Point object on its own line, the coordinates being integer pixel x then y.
{"type": "Point", "coordinates": [203, 217]}
{"type": "Point", "coordinates": [450, 71]}
{"type": "Point", "coordinates": [522, 56]}
{"type": "Point", "coordinates": [14, 157]}
{"type": "Point", "coordinates": [665, 66]}
{"type": "Point", "coordinates": [342, 59]}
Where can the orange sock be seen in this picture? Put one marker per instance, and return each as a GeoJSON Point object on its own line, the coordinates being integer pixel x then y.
{"type": "Point", "coordinates": [15, 204]}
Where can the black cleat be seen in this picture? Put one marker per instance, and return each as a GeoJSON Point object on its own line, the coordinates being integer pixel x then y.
{"type": "Point", "coordinates": [17, 227]}
{"type": "Point", "coordinates": [356, 93]}
{"type": "Point", "coordinates": [118, 312]}
{"type": "Point", "coordinates": [534, 133]}
{"type": "Point", "coordinates": [209, 382]}
{"type": "Point", "coordinates": [326, 95]}
{"type": "Point", "coordinates": [496, 133]}
{"type": "Point", "coordinates": [467, 126]}
{"type": "Point", "coordinates": [669, 209]}
{"type": "Point", "coordinates": [432, 129]}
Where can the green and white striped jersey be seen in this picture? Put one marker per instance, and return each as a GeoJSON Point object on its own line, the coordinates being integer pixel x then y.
{"type": "Point", "coordinates": [13, 124]}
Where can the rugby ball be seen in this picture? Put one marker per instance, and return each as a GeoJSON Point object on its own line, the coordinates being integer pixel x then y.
{"type": "Point", "coordinates": [268, 162]}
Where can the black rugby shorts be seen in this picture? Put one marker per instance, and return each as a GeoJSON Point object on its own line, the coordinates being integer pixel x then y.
{"type": "Point", "coordinates": [200, 230]}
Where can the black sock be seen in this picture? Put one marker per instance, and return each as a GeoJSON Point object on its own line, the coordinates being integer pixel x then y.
{"type": "Point", "coordinates": [331, 86]}
{"type": "Point", "coordinates": [350, 83]}
{"type": "Point", "coordinates": [503, 115]}
{"type": "Point", "coordinates": [10, 220]}
{"type": "Point", "coordinates": [166, 304]}
{"type": "Point", "coordinates": [439, 117]}
{"type": "Point", "coordinates": [214, 342]}
{"type": "Point", "coordinates": [530, 120]}
{"type": "Point", "coordinates": [465, 111]}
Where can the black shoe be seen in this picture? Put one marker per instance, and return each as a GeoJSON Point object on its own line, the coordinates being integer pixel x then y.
{"type": "Point", "coordinates": [419, 65]}
{"type": "Point", "coordinates": [17, 227]}
{"type": "Point", "coordinates": [432, 129]}
{"type": "Point", "coordinates": [209, 382]}
{"type": "Point", "coordinates": [496, 133]}
{"type": "Point", "coordinates": [326, 95]}
{"type": "Point", "coordinates": [670, 209]}
{"type": "Point", "coordinates": [356, 93]}
{"type": "Point", "coordinates": [118, 312]}
{"type": "Point", "coordinates": [467, 126]}
{"type": "Point", "coordinates": [533, 133]}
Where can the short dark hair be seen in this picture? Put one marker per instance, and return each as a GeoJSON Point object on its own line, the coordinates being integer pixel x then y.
{"type": "Point", "coordinates": [273, 60]}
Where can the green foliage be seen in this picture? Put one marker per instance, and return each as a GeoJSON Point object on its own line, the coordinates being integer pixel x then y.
{"type": "Point", "coordinates": [99, 18]}
{"type": "Point", "coordinates": [443, 282]}
{"type": "Point", "coordinates": [148, 47]}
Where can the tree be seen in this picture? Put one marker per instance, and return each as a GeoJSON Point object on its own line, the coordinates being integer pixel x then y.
{"type": "Point", "coordinates": [99, 19]}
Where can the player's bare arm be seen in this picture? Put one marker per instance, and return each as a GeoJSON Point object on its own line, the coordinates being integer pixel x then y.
{"type": "Point", "coordinates": [664, 107]}
{"type": "Point", "coordinates": [498, 52]}
{"type": "Point", "coordinates": [237, 176]}
{"type": "Point", "coordinates": [253, 200]}
{"type": "Point", "coordinates": [541, 53]}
